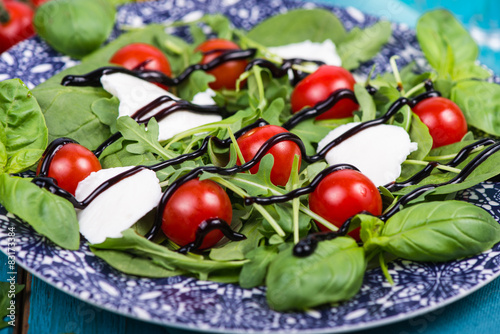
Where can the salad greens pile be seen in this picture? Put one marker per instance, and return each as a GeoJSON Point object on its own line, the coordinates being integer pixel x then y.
{"type": "Point", "coordinates": [433, 227]}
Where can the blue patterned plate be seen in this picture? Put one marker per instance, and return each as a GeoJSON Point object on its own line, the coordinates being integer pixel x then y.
{"type": "Point", "coordinates": [199, 305]}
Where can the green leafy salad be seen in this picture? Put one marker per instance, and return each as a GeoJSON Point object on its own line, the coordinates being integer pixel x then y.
{"type": "Point", "coordinates": [286, 210]}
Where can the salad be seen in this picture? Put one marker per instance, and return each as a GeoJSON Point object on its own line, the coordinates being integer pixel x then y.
{"type": "Point", "coordinates": [415, 220]}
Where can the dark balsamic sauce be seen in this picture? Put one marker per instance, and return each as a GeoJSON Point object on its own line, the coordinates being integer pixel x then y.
{"type": "Point", "coordinates": [208, 226]}
{"type": "Point", "coordinates": [93, 78]}
{"type": "Point", "coordinates": [285, 67]}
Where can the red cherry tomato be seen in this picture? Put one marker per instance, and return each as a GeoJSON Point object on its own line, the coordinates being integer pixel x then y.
{"type": "Point", "coordinates": [135, 54]}
{"type": "Point", "coordinates": [319, 85]}
{"type": "Point", "coordinates": [71, 164]}
{"type": "Point", "coordinates": [283, 152]}
{"type": "Point", "coordinates": [19, 26]}
{"type": "Point", "coordinates": [192, 203]}
{"type": "Point", "coordinates": [227, 73]}
{"type": "Point", "coordinates": [445, 120]}
{"type": "Point", "coordinates": [343, 194]}
{"type": "Point", "coordinates": [38, 3]}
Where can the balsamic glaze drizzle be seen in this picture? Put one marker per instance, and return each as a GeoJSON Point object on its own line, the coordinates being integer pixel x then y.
{"type": "Point", "coordinates": [208, 226]}
{"type": "Point", "coordinates": [284, 68]}
{"type": "Point", "coordinates": [93, 78]}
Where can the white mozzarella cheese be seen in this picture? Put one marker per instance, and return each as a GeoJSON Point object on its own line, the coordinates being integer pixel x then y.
{"type": "Point", "coordinates": [118, 207]}
{"type": "Point", "coordinates": [377, 152]}
{"type": "Point", "coordinates": [135, 93]}
{"type": "Point", "coordinates": [325, 52]}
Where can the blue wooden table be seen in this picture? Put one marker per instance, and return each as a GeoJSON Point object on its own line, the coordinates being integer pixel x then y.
{"type": "Point", "coordinates": [45, 309]}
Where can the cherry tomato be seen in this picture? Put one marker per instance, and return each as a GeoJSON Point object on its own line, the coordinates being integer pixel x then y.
{"type": "Point", "coordinates": [38, 3]}
{"type": "Point", "coordinates": [319, 85]}
{"type": "Point", "coordinates": [227, 73]}
{"type": "Point", "coordinates": [135, 54]}
{"type": "Point", "coordinates": [19, 25]}
{"type": "Point", "coordinates": [343, 194]}
{"type": "Point", "coordinates": [283, 152]}
{"type": "Point", "coordinates": [445, 120]}
{"type": "Point", "coordinates": [71, 164]}
{"type": "Point", "coordinates": [192, 203]}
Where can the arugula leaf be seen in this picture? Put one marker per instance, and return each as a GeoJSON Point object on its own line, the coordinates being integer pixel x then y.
{"type": "Point", "coordinates": [366, 103]}
{"type": "Point", "coordinates": [238, 250]}
{"type": "Point", "coordinates": [361, 45]}
{"type": "Point", "coordinates": [146, 138]}
{"type": "Point", "coordinates": [49, 214]}
{"type": "Point", "coordinates": [299, 25]}
{"type": "Point", "coordinates": [138, 246]}
{"type": "Point", "coordinates": [23, 134]}
{"type": "Point", "coordinates": [334, 272]}
{"type": "Point", "coordinates": [438, 231]}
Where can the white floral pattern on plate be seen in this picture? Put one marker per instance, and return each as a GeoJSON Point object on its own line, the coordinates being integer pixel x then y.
{"type": "Point", "coordinates": [188, 303]}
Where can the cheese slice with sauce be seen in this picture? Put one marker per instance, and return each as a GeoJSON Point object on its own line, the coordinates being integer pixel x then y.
{"type": "Point", "coordinates": [118, 207]}
{"type": "Point", "coordinates": [377, 152]}
{"type": "Point", "coordinates": [135, 93]}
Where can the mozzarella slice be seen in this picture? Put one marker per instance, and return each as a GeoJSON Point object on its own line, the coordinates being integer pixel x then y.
{"type": "Point", "coordinates": [377, 152]}
{"type": "Point", "coordinates": [325, 52]}
{"type": "Point", "coordinates": [135, 93]}
{"type": "Point", "coordinates": [118, 207]}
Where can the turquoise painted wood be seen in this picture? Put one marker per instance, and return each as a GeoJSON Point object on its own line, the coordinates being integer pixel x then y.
{"type": "Point", "coordinates": [3, 278]}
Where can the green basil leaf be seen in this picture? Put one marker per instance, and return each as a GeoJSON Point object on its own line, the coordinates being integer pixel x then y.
{"type": "Point", "coordinates": [68, 110]}
{"type": "Point", "coordinates": [441, 36]}
{"type": "Point", "coordinates": [361, 45]}
{"type": "Point", "coordinates": [254, 272]}
{"type": "Point", "coordinates": [297, 26]}
{"type": "Point", "coordinates": [49, 214]}
{"type": "Point", "coordinates": [439, 231]}
{"type": "Point", "coordinates": [480, 103]}
{"type": "Point", "coordinates": [466, 71]}
{"type": "Point", "coordinates": [23, 134]}
{"type": "Point", "coordinates": [75, 27]}
{"type": "Point", "coordinates": [419, 133]}
{"type": "Point", "coordinates": [334, 272]}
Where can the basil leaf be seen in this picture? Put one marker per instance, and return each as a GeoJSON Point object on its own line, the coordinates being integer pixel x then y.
{"type": "Point", "coordinates": [361, 45]}
{"type": "Point", "coordinates": [68, 110]}
{"type": "Point", "coordinates": [445, 42]}
{"type": "Point", "coordinates": [23, 134]}
{"type": "Point", "coordinates": [198, 82]}
{"type": "Point", "coordinates": [480, 103]}
{"type": "Point", "coordinates": [419, 133]}
{"type": "Point", "coordinates": [297, 26]}
{"type": "Point", "coordinates": [49, 214]}
{"type": "Point", "coordinates": [254, 272]}
{"type": "Point", "coordinates": [439, 231]}
{"type": "Point", "coordinates": [334, 272]}
{"type": "Point", "coordinates": [75, 27]}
